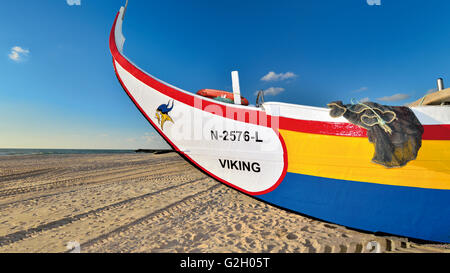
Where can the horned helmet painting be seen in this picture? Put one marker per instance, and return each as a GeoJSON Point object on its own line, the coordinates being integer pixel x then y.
{"type": "Point", "coordinates": [162, 114]}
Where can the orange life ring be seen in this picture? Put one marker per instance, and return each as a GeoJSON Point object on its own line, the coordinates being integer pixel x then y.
{"type": "Point", "coordinates": [213, 93]}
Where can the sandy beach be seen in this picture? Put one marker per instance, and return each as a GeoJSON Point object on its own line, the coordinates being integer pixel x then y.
{"type": "Point", "coordinates": [155, 203]}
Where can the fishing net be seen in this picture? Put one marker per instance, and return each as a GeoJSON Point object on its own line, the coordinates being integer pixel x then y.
{"type": "Point", "coordinates": [394, 130]}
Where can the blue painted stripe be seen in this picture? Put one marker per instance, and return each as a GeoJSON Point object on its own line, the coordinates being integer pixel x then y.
{"type": "Point", "coordinates": [405, 211]}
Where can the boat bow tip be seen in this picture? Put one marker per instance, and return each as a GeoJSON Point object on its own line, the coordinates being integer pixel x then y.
{"type": "Point", "coordinates": [119, 39]}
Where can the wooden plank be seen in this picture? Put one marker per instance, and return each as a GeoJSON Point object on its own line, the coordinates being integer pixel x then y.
{"type": "Point", "coordinates": [436, 98]}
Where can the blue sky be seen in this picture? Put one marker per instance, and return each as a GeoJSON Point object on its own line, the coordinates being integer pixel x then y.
{"type": "Point", "coordinates": [58, 87]}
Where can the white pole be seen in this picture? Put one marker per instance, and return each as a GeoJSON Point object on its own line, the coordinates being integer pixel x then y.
{"type": "Point", "coordinates": [236, 88]}
{"type": "Point", "coordinates": [440, 84]}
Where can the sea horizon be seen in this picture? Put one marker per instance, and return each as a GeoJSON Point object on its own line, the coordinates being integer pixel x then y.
{"type": "Point", "coordinates": [36, 151]}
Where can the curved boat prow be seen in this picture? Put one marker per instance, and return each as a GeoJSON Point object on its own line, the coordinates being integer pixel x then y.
{"type": "Point", "coordinates": [119, 38]}
{"type": "Point", "coordinates": [235, 144]}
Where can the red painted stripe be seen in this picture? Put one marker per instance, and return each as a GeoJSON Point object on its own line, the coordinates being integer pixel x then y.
{"type": "Point", "coordinates": [436, 132]}
{"type": "Point", "coordinates": [431, 132]}
{"type": "Point", "coordinates": [321, 127]}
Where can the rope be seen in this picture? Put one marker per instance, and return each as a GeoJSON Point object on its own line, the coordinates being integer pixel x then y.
{"type": "Point", "coordinates": [380, 121]}
{"type": "Point", "coordinates": [421, 101]}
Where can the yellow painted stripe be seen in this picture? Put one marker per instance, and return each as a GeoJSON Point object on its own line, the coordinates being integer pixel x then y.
{"type": "Point", "coordinates": [350, 158]}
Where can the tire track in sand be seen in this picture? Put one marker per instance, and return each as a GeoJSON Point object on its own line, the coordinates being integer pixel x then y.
{"type": "Point", "coordinates": [32, 213]}
{"type": "Point", "coordinates": [16, 185]}
{"type": "Point", "coordinates": [116, 181]}
{"type": "Point", "coordinates": [79, 181]}
{"type": "Point", "coordinates": [20, 235]}
{"type": "Point", "coordinates": [167, 211]}
{"type": "Point", "coordinates": [27, 174]}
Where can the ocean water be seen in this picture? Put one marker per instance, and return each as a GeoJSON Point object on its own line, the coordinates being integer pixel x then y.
{"type": "Point", "coordinates": [4, 152]}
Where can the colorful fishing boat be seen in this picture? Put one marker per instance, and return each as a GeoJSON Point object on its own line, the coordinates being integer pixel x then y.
{"type": "Point", "coordinates": [309, 160]}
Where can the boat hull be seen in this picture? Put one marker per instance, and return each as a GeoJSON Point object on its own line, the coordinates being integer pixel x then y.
{"type": "Point", "coordinates": [405, 211]}
{"type": "Point", "coordinates": [298, 158]}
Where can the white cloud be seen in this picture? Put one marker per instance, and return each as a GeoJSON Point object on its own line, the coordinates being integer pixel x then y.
{"type": "Point", "coordinates": [73, 2]}
{"type": "Point", "coordinates": [364, 88]}
{"type": "Point", "coordinates": [272, 91]}
{"type": "Point", "coordinates": [17, 53]}
{"type": "Point", "coordinates": [396, 97]}
{"type": "Point", "coordinates": [366, 99]}
{"type": "Point", "coordinates": [272, 76]}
